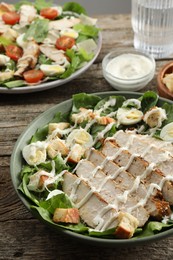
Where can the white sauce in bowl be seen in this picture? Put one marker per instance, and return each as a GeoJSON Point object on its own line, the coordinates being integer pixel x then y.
{"type": "Point", "coordinates": [129, 66]}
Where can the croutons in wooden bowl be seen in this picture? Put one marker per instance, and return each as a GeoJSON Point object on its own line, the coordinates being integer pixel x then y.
{"type": "Point", "coordinates": [165, 81]}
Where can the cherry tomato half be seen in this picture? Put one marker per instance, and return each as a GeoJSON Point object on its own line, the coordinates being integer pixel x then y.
{"type": "Point", "coordinates": [49, 13]}
{"type": "Point", "coordinates": [64, 43]}
{"type": "Point", "coordinates": [33, 76]}
{"type": "Point", "coordinates": [14, 52]}
{"type": "Point", "coordinates": [11, 18]}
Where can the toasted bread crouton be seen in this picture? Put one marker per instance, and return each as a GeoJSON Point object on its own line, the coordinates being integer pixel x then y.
{"type": "Point", "coordinates": [57, 146]}
{"type": "Point", "coordinates": [105, 120]}
{"type": "Point", "coordinates": [70, 215]}
{"type": "Point", "coordinates": [127, 225]}
{"type": "Point", "coordinates": [83, 115]}
{"type": "Point", "coordinates": [77, 151]}
{"type": "Point", "coordinates": [57, 126]}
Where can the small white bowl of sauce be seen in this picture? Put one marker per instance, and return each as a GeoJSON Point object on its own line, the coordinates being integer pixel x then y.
{"type": "Point", "coordinates": [129, 71]}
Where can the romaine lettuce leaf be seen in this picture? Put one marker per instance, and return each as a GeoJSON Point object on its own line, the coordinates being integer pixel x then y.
{"type": "Point", "coordinates": [5, 42]}
{"type": "Point", "coordinates": [14, 83]}
{"type": "Point", "coordinates": [74, 63]}
{"type": "Point", "coordinates": [87, 30]}
{"type": "Point", "coordinates": [38, 30]}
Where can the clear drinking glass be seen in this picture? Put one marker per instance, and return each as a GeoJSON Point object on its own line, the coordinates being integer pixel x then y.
{"type": "Point", "coordinates": [152, 23]}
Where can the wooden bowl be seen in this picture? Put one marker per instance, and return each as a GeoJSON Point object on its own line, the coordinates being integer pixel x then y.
{"type": "Point", "coordinates": [162, 89]}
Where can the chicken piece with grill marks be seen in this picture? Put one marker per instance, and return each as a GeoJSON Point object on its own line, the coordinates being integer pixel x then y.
{"type": "Point", "coordinates": [29, 58]}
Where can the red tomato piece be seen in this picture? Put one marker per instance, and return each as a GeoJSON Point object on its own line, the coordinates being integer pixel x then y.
{"type": "Point", "coordinates": [11, 18]}
{"type": "Point", "coordinates": [49, 13]}
{"type": "Point", "coordinates": [33, 76]}
{"type": "Point", "coordinates": [14, 52]}
{"type": "Point", "coordinates": [64, 43]}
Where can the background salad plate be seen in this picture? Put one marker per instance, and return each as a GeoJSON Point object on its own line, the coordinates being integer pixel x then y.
{"type": "Point", "coordinates": [62, 47]}
{"type": "Point", "coordinates": [55, 83]}
{"type": "Point", "coordinates": [17, 162]}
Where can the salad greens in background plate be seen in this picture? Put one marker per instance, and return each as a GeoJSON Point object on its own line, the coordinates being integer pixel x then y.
{"type": "Point", "coordinates": [61, 47]}
{"type": "Point", "coordinates": [43, 210]}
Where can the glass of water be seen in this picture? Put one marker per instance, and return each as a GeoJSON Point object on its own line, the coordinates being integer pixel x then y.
{"type": "Point", "coordinates": [152, 23]}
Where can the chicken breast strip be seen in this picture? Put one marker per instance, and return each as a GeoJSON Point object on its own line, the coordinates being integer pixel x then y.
{"type": "Point", "coordinates": [137, 166]}
{"type": "Point", "coordinates": [29, 58]}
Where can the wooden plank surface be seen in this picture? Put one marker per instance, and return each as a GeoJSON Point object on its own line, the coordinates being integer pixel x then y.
{"type": "Point", "coordinates": [21, 235]}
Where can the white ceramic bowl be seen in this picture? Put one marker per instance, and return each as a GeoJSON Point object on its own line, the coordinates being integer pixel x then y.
{"type": "Point", "coordinates": [125, 81]}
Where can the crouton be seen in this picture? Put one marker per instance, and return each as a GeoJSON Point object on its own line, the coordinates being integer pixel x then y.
{"type": "Point", "coordinates": [83, 115]}
{"type": "Point", "coordinates": [77, 151]}
{"type": "Point", "coordinates": [70, 215]}
{"type": "Point", "coordinates": [127, 225]}
{"type": "Point", "coordinates": [57, 146]}
{"type": "Point", "coordinates": [105, 120]}
{"type": "Point", "coordinates": [57, 126]}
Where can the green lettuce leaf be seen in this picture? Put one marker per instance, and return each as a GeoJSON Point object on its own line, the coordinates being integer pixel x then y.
{"type": "Point", "coordinates": [74, 7]}
{"type": "Point", "coordinates": [42, 132]}
{"type": "Point", "coordinates": [169, 112]}
{"type": "Point", "coordinates": [24, 189]}
{"type": "Point", "coordinates": [14, 83]}
{"type": "Point", "coordinates": [88, 101]}
{"type": "Point", "coordinates": [38, 4]}
{"type": "Point", "coordinates": [5, 42]}
{"type": "Point", "coordinates": [84, 55]}
{"type": "Point", "coordinates": [74, 64]}
{"type": "Point", "coordinates": [118, 103]}
{"type": "Point", "coordinates": [38, 30]}
{"type": "Point", "coordinates": [152, 228]}
{"type": "Point", "coordinates": [47, 216]}
{"type": "Point", "coordinates": [58, 201]}
{"type": "Point", "coordinates": [148, 100]}
{"type": "Point", "coordinates": [98, 128]}
{"type": "Point", "coordinates": [87, 30]}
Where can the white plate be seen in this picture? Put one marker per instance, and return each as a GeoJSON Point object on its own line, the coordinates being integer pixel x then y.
{"type": "Point", "coordinates": [55, 83]}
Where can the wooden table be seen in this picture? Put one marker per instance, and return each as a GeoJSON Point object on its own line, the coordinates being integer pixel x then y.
{"type": "Point", "coordinates": [21, 235]}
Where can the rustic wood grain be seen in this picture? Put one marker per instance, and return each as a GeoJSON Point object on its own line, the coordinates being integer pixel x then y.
{"type": "Point", "coordinates": [21, 235]}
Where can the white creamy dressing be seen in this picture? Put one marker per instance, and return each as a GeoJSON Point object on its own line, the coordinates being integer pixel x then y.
{"type": "Point", "coordinates": [129, 66]}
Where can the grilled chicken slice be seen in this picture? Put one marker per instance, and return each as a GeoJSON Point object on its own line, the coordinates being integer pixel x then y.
{"type": "Point", "coordinates": [27, 14]}
{"type": "Point", "coordinates": [29, 59]}
{"type": "Point", "coordinates": [110, 192]}
{"type": "Point", "coordinates": [155, 205]}
{"type": "Point", "coordinates": [95, 211]}
{"type": "Point", "coordinates": [146, 149]}
{"type": "Point", "coordinates": [3, 27]}
{"type": "Point", "coordinates": [166, 146]}
{"type": "Point", "coordinates": [138, 167]}
{"type": "Point", "coordinates": [54, 54]}
{"type": "Point", "coordinates": [64, 23]}
{"type": "Point", "coordinates": [10, 34]}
